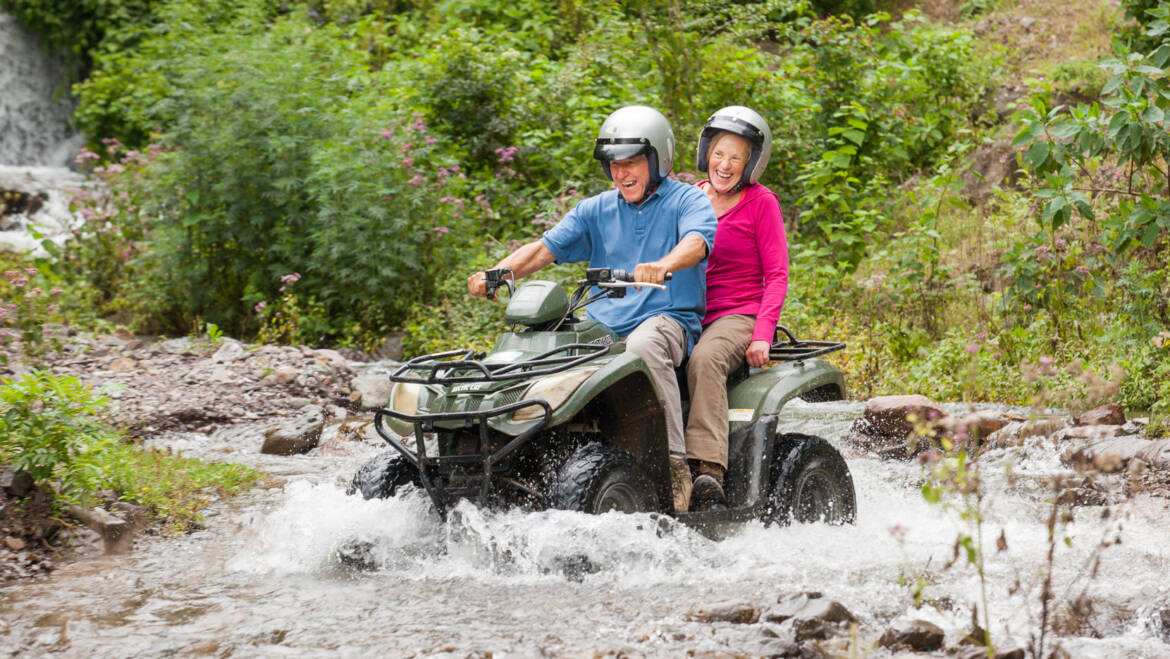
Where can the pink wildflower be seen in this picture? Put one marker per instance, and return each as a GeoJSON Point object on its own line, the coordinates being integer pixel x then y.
{"type": "Point", "coordinates": [431, 140]}
{"type": "Point", "coordinates": [442, 230]}
{"type": "Point", "coordinates": [506, 153]}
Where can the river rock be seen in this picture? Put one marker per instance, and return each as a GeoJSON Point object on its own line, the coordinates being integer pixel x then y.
{"type": "Point", "coordinates": [916, 635]}
{"type": "Point", "coordinates": [740, 613]}
{"type": "Point", "coordinates": [1014, 433]}
{"type": "Point", "coordinates": [1016, 653]}
{"type": "Point", "coordinates": [891, 415]}
{"type": "Point", "coordinates": [333, 359]}
{"type": "Point", "coordinates": [179, 346]}
{"type": "Point", "coordinates": [890, 424]}
{"type": "Point", "coordinates": [229, 351]}
{"type": "Point", "coordinates": [121, 365]}
{"type": "Point", "coordinates": [779, 648]}
{"type": "Point", "coordinates": [1110, 414]}
{"type": "Point", "coordinates": [1091, 433]}
{"type": "Point", "coordinates": [1156, 454]}
{"type": "Point", "coordinates": [296, 436]}
{"type": "Point", "coordinates": [975, 427]}
{"type": "Point", "coordinates": [1105, 455]}
{"type": "Point", "coordinates": [374, 390]}
{"type": "Point", "coordinates": [808, 606]}
{"type": "Point", "coordinates": [286, 374]}
{"type": "Point", "coordinates": [15, 482]}
{"type": "Point", "coordinates": [117, 534]}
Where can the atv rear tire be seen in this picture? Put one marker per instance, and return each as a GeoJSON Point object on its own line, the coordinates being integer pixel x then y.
{"type": "Point", "coordinates": [599, 478]}
{"type": "Point", "coordinates": [381, 477]}
{"type": "Point", "coordinates": [810, 483]}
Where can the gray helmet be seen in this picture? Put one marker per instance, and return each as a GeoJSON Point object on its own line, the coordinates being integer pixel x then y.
{"type": "Point", "coordinates": [634, 130]}
{"type": "Point", "coordinates": [748, 125]}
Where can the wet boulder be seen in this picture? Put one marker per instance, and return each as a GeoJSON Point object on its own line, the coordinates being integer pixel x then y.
{"type": "Point", "coordinates": [916, 635]}
{"type": "Point", "coordinates": [296, 436]}
{"type": "Point", "coordinates": [1156, 454]}
{"type": "Point", "coordinates": [809, 615]}
{"type": "Point", "coordinates": [1106, 455]}
{"type": "Point", "coordinates": [374, 390]}
{"type": "Point", "coordinates": [116, 531]}
{"type": "Point", "coordinates": [1106, 415]}
{"type": "Point", "coordinates": [892, 426]}
{"type": "Point", "coordinates": [1016, 432]}
{"type": "Point", "coordinates": [976, 427]}
{"type": "Point", "coordinates": [740, 613]}
{"type": "Point", "coordinates": [1090, 433]}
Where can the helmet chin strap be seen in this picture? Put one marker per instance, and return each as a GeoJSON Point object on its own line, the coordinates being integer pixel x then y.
{"type": "Point", "coordinates": [650, 189]}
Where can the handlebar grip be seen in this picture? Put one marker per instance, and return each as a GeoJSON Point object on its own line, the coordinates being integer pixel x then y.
{"type": "Point", "coordinates": [625, 275]}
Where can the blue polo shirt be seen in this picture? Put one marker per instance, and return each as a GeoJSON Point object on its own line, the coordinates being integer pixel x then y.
{"type": "Point", "coordinates": [608, 232]}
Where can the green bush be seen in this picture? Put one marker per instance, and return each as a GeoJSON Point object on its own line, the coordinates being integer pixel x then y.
{"type": "Point", "coordinates": [48, 428]}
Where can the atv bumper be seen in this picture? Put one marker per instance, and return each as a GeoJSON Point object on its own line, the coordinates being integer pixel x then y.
{"type": "Point", "coordinates": [449, 478]}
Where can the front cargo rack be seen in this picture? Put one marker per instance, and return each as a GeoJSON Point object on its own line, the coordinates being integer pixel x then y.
{"type": "Point", "coordinates": [457, 366]}
{"type": "Point", "coordinates": [795, 350]}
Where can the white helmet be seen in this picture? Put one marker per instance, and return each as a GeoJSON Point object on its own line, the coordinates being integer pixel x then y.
{"type": "Point", "coordinates": [748, 125]}
{"type": "Point", "coordinates": [634, 130]}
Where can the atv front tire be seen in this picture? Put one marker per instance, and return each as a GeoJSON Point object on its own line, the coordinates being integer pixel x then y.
{"type": "Point", "coordinates": [599, 478]}
{"type": "Point", "coordinates": [810, 483]}
{"type": "Point", "coordinates": [381, 477]}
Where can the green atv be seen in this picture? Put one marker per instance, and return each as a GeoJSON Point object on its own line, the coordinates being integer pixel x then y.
{"type": "Point", "coordinates": [560, 415]}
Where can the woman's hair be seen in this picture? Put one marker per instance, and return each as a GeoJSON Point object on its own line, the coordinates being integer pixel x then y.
{"type": "Point", "coordinates": [719, 135]}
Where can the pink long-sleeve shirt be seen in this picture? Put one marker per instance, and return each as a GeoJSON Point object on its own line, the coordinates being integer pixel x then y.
{"type": "Point", "coordinates": [747, 271]}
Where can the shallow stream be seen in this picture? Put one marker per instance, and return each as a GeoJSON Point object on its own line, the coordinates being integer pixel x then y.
{"type": "Point", "coordinates": [263, 578]}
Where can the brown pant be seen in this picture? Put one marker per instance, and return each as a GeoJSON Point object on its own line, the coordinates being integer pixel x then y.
{"type": "Point", "coordinates": [661, 342]}
{"type": "Point", "coordinates": [719, 351]}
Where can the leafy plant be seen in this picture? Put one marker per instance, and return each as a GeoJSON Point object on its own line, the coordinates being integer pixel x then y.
{"type": "Point", "coordinates": [26, 310]}
{"type": "Point", "coordinates": [49, 429]}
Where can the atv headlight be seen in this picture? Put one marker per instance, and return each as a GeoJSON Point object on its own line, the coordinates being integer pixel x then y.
{"type": "Point", "coordinates": [404, 397]}
{"type": "Point", "coordinates": [555, 390]}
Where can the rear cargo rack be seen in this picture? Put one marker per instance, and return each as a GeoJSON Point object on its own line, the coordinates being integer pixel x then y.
{"type": "Point", "coordinates": [795, 350]}
{"type": "Point", "coordinates": [456, 366]}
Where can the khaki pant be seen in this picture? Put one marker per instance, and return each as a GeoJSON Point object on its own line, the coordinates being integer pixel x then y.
{"type": "Point", "coordinates": [719, 351]}
{"type": "Point", "coordinates": [661, 342]}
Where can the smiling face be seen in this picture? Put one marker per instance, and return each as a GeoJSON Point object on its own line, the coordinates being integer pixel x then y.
{"type": "Point", "coordinates": [631, 176]}
{"type": "Point", "coordinates": [726, 161]}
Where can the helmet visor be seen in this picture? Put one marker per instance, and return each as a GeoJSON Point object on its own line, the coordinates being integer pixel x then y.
{"type": "Point", "coordinates": [737, 126]}
{"type": "Point", "coordinates": [619, 148]}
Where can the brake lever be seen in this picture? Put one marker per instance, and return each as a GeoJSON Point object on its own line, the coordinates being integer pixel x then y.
{"type": "Point", "coordinates": [495, 278]}
{"type": "Point", "coordinates": [628, 284]}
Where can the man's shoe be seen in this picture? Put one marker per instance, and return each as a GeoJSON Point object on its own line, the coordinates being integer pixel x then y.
{"type": "Point", "coordinates": [680, 483]}
{"type": "Point", "coordinates": [707, 492]}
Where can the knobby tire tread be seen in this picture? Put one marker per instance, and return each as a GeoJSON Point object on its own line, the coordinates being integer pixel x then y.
{"type": "Point", "coordinates": [575, 483]}
{"type": "Point", "coordinates": [792, 450]}
{"type": "Point", "coordinates": [382, 475]}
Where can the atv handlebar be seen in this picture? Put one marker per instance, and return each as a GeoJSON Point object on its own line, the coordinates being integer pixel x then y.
{"type": "Point", "coordinates": [494, 279]}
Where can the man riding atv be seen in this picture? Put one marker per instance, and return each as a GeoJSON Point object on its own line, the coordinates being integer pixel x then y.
{"type": "Point", "coordinates": [654, 226]}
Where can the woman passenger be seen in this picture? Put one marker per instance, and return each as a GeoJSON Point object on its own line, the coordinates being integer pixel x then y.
{"type": "Point", "coordinates": [747, 280]}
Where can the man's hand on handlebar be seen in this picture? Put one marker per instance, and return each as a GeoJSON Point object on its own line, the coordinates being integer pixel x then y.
{"type": "Point", "coordinates": [477, 284]}
{"type": "Point", "coordinates": [651, 273]}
